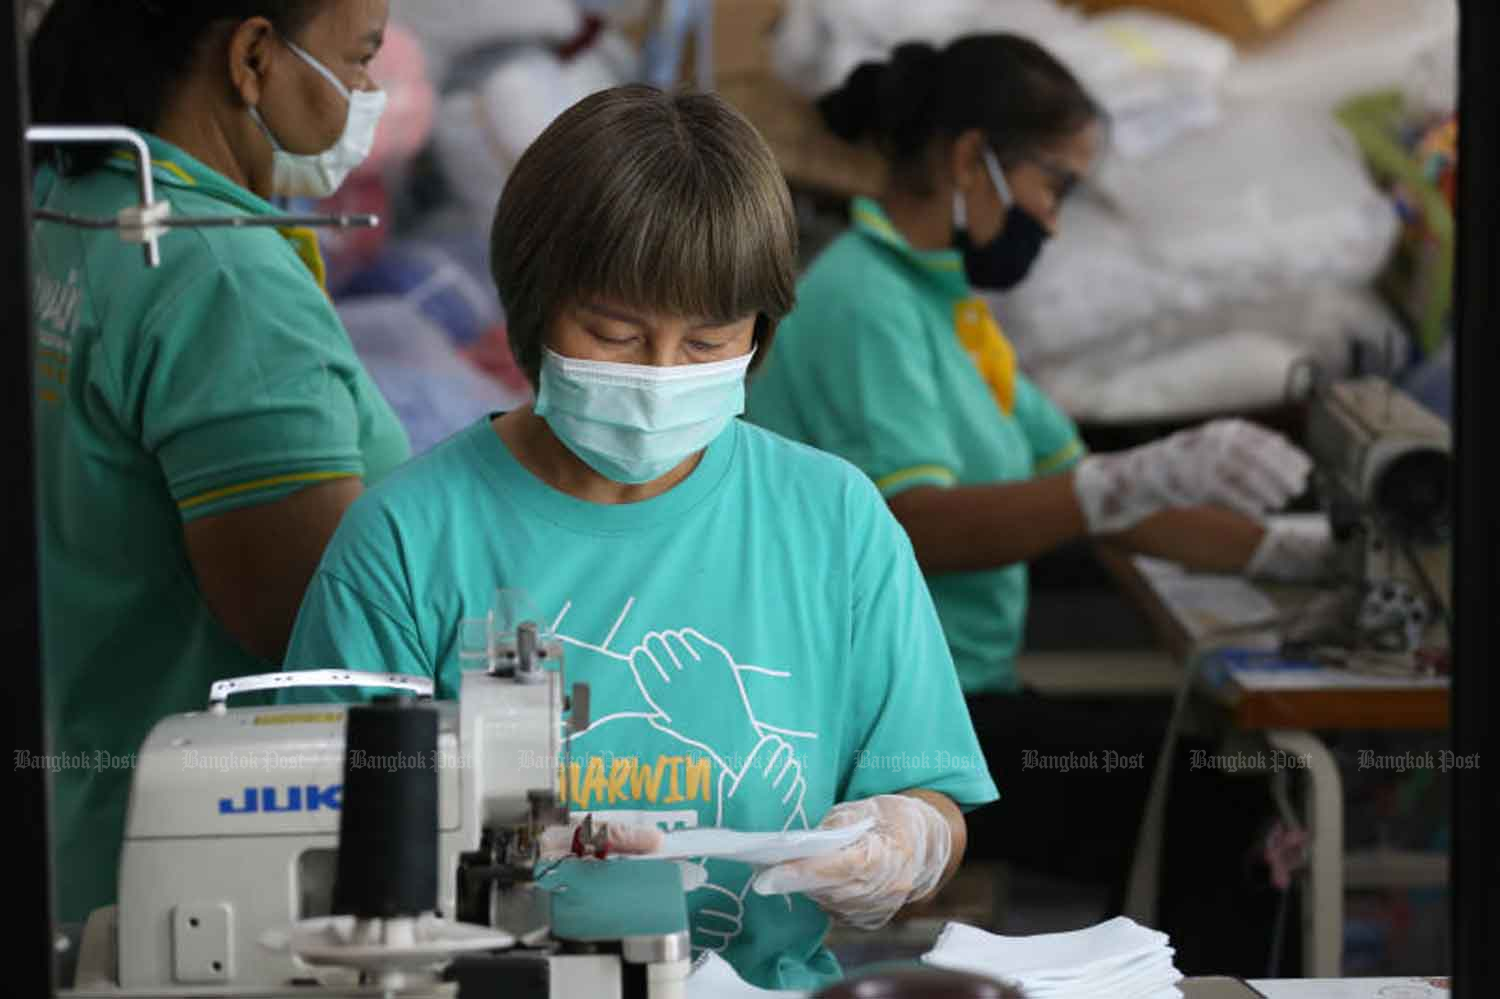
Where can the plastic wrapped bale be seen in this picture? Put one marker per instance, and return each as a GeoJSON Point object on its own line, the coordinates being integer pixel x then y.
{"type": "Point", "coordinates": [435, 282]}
{"type": "Point", "coordinates": [433, 390]}
{"type": "Point", "coordinates": [482, 132]}
{"type": "Point", "coordinates": [450, 29]}
{"type": "Point", "coordinates": [1270, 199]}
{"type": "Point", "coordinates": [1093, 283]}
{"type": "Point", "coordinates": [1343, 48]}
{"type": "Point", "coordinates": [1228, 358]}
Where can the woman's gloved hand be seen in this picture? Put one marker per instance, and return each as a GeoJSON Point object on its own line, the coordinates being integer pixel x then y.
{"type": "Point", "coordinates": [1228, 463]}
{"type": "Point", "coordinates": [902, 858]}
{"type": "Point", "coordinates": [1298, 550]}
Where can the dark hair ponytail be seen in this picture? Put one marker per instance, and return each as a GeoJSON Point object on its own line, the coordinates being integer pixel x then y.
{"type": "Point", "coordinates": [1009, 87]}
{"type": "Point", "coordinates": [116, 62]}
{"type": "Point", "coordinates": [891, 101]}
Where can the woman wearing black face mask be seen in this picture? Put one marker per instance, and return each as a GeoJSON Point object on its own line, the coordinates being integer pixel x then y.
{"type": "Point", "coordinates": [891, 360]}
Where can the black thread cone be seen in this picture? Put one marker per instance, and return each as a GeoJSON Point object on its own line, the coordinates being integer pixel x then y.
{"type": "Point", "coordinates": [388, 826]}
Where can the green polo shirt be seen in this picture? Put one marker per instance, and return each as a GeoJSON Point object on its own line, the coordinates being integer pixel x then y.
{"type": "Point", "coordinates": [891, 361]}
{"type": "Point", "coordinates": [220, 380]}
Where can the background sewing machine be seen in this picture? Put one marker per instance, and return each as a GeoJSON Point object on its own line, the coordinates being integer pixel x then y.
{"type": "Point", "coordinates": [232, 867]}
{"type": "Point", "coordinates": [1384, 473]}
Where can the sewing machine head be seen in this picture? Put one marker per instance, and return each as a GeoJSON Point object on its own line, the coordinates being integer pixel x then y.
{"type": "Point", "coordinates": [1384, 471]}
{"type": "Point", "coordinates": [232, 876]}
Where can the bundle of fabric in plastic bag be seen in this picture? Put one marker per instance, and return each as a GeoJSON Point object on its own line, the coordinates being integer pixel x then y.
{"type": "Point", "coordinates": [434, 391]}
{"type": "Point", "coordinates": [482, 130]}
{"type": "Point", "coordinates": [433, 279]}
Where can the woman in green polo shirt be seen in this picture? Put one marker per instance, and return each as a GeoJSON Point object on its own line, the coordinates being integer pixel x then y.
{"type": "Point", "coordinates": [891, 360]}
{"type": "Point", "coordinates": [201, 426]}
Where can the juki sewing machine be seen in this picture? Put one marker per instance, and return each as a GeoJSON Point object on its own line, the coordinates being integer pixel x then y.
{"type": "Point", "coordinates": [1384, 471]}
{"type": "Point", "coordinates": [247, 872]}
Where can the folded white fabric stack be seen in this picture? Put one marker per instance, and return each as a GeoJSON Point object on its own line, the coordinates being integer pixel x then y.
{"type": "Point", "coordinates": [1118, 959]}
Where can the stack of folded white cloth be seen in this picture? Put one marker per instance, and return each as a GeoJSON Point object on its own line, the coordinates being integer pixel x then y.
{"type": "Point", "coordinates": [1118, 959]}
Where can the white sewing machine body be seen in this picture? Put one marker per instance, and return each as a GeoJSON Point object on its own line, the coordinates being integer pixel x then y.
{"type": "Point", "coordinates": [233, 834]}
{"type": "Point", "coordinates": [1384, 465]}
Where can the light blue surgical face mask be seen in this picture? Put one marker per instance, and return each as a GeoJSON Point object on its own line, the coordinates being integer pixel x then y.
{"type": "Point", "coordinates": [634, 423]}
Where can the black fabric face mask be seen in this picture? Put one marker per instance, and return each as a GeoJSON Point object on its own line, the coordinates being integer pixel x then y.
{"type": "Point", "coordinates": [1004, 261]}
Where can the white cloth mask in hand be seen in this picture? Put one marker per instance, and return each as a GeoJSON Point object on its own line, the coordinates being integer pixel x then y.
{"type": "Point", "coordinates": [1227, 463]}
{"type": "Point", "coordinates": [899, 860]}
{"type": "Point", "coordinates": [320, 176]}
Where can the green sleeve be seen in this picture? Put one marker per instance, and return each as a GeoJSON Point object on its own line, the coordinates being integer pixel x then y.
{"type": "Point", "coordinates": [1054, 440]}
{"type": "Point", "coordinates": [244, 390]}
{"type": "Point", "coordinates": [356, 614]}
{"type": "Point", "coordinates": [911, 724]}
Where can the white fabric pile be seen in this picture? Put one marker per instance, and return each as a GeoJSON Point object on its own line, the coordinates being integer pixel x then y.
{"type": "Point", "coordinates": [1118, 959]}
{"type": "Point", "coordinates": [1193, 280]}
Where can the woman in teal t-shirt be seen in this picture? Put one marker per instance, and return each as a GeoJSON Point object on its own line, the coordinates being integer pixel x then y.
{"type": "Point", "coordinates": [201, 426]}
{"type": "Point", "coordinates": [893, 361]}
{"type": "Point", "coordinates": [760, 648]}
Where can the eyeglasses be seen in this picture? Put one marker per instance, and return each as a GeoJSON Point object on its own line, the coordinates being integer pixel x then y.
{"type": "Point", "coordinates": [1063, 180]}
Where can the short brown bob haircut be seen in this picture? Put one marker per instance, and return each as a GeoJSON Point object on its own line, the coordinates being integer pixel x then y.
{"type": "Point", "coordinates": [669, 203]}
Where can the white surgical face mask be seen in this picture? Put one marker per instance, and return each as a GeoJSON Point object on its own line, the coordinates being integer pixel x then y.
{"type": "Point", "coordinates": [320, 176]}
{"type": "Point", "coordinates": [634, 423]}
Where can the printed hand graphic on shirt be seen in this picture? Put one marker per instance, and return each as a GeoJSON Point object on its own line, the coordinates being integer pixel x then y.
{"type": "Point", "coordinates": [719, 915]}
{"type": "Point", "coordinates": [677, 672]}
{"type": "Point", "coordinates": [680, 671]}
{"type": "Point", "coordinates": [772, 773]}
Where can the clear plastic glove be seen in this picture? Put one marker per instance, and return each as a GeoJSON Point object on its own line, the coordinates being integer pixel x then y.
{"type": "Point", "coordinates": [901, 859]}
{"type": "Point", "coordinates": [1299, 550]}
{"type": "Point", "coordinates": [1228, 463]}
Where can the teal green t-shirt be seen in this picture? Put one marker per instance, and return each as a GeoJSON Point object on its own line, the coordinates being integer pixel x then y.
{"type": "Point", "coordinates": [891, 361]}
{"type": "Point", "coordinates": [220, 380]}
{"type": "Point", "coordinates": [758, 643]}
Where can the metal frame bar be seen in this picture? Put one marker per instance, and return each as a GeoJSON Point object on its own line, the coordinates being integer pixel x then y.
{"type": "Point", "coordinates": [30, 881]}
{"type": "Point", "coordinates": [1476, 549]}
{"type": "Point", "coordinates": [112, 135]}
{"type": "Point", "coordinates": [150, 232]}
